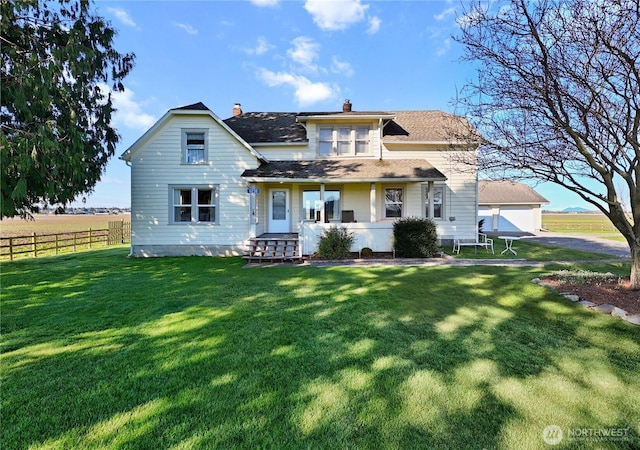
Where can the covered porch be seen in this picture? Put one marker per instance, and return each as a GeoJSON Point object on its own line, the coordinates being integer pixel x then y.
{"type": "Point", "coordinates": [365, 196]}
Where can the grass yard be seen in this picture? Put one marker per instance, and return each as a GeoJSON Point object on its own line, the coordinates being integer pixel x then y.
{"type": "Point", "coordinates": [103, 351]}
{"type": "Point", "coordinates": [526, 250]}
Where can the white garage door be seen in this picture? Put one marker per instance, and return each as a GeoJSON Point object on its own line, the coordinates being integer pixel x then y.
{"type": "Point", "coordinates": [516, 219]}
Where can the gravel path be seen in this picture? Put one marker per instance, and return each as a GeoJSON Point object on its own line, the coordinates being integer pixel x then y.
{"type": "Point", "coordinates": [583, 242]}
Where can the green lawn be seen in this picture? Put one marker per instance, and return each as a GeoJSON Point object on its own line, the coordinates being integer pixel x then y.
{"type": "Point", "coordinates": [103, 351]}
{"type": "Point", "coordinates": [527, 250]}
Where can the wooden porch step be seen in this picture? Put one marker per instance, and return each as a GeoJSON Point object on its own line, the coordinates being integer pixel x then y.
{"type": "Point", "coordinates": [273, 249]}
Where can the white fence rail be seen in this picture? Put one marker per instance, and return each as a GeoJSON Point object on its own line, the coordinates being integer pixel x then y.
{"type": "Point", "coordinates": [376, 236]}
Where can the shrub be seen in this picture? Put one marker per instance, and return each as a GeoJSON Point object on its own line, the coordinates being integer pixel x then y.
{"type": "Point", "coordinates": [415, 237]}
{"type": "Point", "coordinates": [366, 252]}
{"type": "Point", "coordinates": [335, 243]}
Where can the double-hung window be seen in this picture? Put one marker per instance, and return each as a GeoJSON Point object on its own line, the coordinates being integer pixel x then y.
{"type": "Point", "coordinates": [345, 140]}
{"type": "Point", "coordinates": [312, 204]}
{"type": "Point", "coordinates": [393, 201]}
{"type": "Point", "coordinates": [437, 192]}
{"type": "Point", "coordinates": [194, 146]}
{"type": "Point", "coordinates": [194, 204]}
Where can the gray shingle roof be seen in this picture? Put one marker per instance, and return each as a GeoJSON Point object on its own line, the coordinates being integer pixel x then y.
{"type": "Point", "coordinates": [194, 107]}
{"type": "Point", "coordinates": [428, 126]}
{"type": "Point", "coordinates": [408, 126]}
{"type": "Point", "coordinates": [507, 192]}
{"type": "Point", "coordinates": [265, 127]}
{"type": "Point", "coordinates": [347, 170]}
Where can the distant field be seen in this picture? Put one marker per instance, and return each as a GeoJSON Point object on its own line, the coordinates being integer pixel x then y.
{"type": "Point", "coordinates": [562, 223]}
{"type": "Point", "coordinates": [578, 223]}
{"type": "Point", "coordinates": [49, 223]}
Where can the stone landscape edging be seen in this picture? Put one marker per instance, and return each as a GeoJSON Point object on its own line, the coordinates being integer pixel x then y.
{"type": "Point", "coordinates": [604, 308]}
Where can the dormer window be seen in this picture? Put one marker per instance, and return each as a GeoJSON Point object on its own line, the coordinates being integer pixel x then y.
{"type": "Point", "coordinates": [194, 146]}
{"type": "Point", "coordinates": [344, 140]}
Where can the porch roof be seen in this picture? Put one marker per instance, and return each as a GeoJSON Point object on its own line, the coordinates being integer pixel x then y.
{"type": "Point", "coordinates": [345, 170]}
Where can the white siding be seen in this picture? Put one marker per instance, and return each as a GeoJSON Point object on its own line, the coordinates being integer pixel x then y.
{"type": "Point", "coordinates": [157, 165]}
{"type": "Point", "coordinates": [356, 197]}
{"type": "Point", "coordinates": [286, 152]}
{"type": "Point", "coordinates": [460, 194]}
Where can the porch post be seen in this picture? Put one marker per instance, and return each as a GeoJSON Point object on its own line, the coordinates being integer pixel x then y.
{"type": "Point", "coordinates": [372, 202]}
{"type": "Point", "coordinates": [322, 215]}
{"type": "Point", "coordinates": [430, 197]}
{"type": "Point", "coordinates": [495, 218]}
{"type": "Point", "coordinates": [253, 210]}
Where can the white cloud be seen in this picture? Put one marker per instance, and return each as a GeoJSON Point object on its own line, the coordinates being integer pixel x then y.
{"type": "Point", "coordinates": [261, 47]}
{"type": "Point", "coordinates": [374, 25]}
{"type": "Point", "coordinates": [336, 15]}
{"type": "Point", "coordinates": [341, 67]}
{"type": "Point", "coordinates": [129, 112]}
{"type": "Point", "coordinates": [473, 16]}
{"type": "Point", "coordinates": [186, 27]}
{"type": "Point", "coordinates": [304, 52]}
{"type": "Point", "coordinates": [306, 92]}
{"type": "Point", "coordinates": [444, 47]}
{"type": "Point", "coordinates": [265, 3]}
{"type": "Point", "coordinates": [444, 14]}
{"type": "Point", "coordinates": [122, 15]}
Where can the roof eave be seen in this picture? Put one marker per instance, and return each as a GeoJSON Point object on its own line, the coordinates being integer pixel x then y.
{"type": "Point", "coordinates": [332, 117]}
{"type": "Point", "coordinates": [279, 144]}
{"type": "Point", "coordinates": [533, 202]}
{"type": "Point", "coordinates": [312, 180]}
{"type": "Point", "coordinates": [126, 156]}
{"type": "Point", "coordinates": [438, 143]}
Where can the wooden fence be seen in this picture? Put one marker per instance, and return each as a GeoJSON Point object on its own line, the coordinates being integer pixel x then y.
{"type": "Point", "coordinates": [578, 225]}
{"type": "Point", "coordinates": [119, 232]}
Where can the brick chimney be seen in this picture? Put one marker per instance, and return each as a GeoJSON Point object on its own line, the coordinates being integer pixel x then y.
{"type": "Point", "coordinates": [346, 107]}
{"type": "Point", "coordinates": [237, 110]}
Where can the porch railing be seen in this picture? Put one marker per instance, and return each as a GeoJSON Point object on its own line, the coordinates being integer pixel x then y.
{"type": "Point", "coordinates": [378, 236]}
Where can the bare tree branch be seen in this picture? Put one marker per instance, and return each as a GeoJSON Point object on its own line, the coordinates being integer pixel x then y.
{"type": "Point", "coordinates": [558, 99]}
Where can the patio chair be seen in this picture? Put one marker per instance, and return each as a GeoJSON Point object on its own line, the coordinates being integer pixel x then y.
{"type": "Point", "coordinates": [348, 216]}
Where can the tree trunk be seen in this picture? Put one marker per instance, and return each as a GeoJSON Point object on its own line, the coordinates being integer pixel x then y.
{"type": "Point", "coordinates": [635, 266]}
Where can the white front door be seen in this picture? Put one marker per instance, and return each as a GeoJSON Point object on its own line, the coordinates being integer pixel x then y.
{"type": "Point", "coordinates": [279, 211]}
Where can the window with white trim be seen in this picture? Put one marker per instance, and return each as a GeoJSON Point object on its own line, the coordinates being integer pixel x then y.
{"type": "Point", "coordinates": [438, 202]}
{"type": "Point", "coordinates": [195, 204]}
{"type": "Point", "coordinates": [393, 200]}
{"type": "Point", "coordinates": [344, 140]}
{"type": "Point", "coordinates": [194, 146]}
{"type": "Point", "coordinates": [311, 205]}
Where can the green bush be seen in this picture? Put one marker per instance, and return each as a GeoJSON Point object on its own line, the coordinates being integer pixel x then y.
{"type": "Point", "coordinates": [415, 237]}
{"type": "Point", "coordinates": [366, 252]}
{"type": "Point", "coordinates": [335, 243]}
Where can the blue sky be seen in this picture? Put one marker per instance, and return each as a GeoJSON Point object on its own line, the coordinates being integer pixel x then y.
{"type": "Point", "coordinates": [274, 55]}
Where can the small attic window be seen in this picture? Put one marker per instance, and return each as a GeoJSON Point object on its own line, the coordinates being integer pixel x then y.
{"type": "Point", "coordinates": [194, 147]}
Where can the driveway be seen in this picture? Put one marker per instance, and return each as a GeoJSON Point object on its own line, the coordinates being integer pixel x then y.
{"type": "Point", "coordinates": [583, 242]}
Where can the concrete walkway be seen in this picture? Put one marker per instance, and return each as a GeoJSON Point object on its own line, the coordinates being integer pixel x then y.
{"type": "Point", "coordinates": [619, 250]}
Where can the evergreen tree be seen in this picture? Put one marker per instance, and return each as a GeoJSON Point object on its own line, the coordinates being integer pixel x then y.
{"type": "Point", "coordinates": [58, 70]}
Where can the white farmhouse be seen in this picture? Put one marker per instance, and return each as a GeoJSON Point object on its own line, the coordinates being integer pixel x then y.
{"type": "Point", "coordinates": [270, 182]}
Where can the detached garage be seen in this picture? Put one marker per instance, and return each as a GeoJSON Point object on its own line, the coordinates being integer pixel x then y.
{"type": "Point", "coordinates": [507, 206]}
